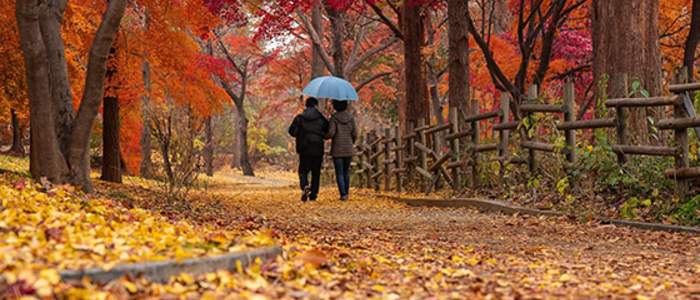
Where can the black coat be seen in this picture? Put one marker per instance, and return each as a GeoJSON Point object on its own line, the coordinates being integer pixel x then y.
{"type": "Point", "coordinates": [309, 128]}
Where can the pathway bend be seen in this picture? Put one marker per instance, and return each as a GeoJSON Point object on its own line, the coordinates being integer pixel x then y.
{"type": "Point", "coordinates": [381, 248]}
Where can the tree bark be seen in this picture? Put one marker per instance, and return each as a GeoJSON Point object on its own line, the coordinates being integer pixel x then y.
{"type": "Point", "coordinates": [458, 56]}
{"type": "Point", "coordinates": [146, 168]}
{"type": "Point", "coordinates": [625, 42]}
{"type": "Point", "coordinates": [337, 27]}
{"type": "Point", "coordinates": [246, 166]}
{"type": "Point", "coordinates": [111, 148]}
{"type": "Point", "coordinates": [17, 148]}
{"type": "Point", "coordinates": [691, 44]}
{"type": "Point", "coordinates": [62, 97]}
{"type": "Point", "coordinates": [45, 157]}
{"type": "Point", "coordinates": [235, 146]}
{"type": "Point", "coordinates": [49, 92]}
{"type": "Point", "coordinates": [78, 156]}
{"type": "Point", "coordinates": [209, 147]}
{"type": "Point", "coordinates": [415, 103]}
{"type": "Point", "coordinates": [318, 68]}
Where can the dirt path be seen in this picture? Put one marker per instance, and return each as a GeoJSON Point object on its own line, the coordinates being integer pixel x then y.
{"type": "Point", "coordinates": [383, 249]}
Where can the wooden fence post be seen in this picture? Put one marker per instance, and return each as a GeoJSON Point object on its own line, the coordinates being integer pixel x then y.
{"type": "Point", "coordinates": [377, 162]}
{"type": "Point", "coordinates": [503, 138]}
{"type": "Point", "coordinates": [682, 160]}
{"type": "Point", "coordinates": [411, 160]}
{"type": "Point", "coordinates": [531, 160]}
{"type": "Point", "coordinates": [475, 144]}
{"type": "Point", "coordinates": [399, 159]}
{"type": "Point", "coordinates": [569, 113]}
{"type": "Point", "coordinates": [387, 158]}
{"type": "Point", "coordinates": [422, 156]}
{"type": "Point", "coordinates": [620, 122]}
{"type": "Point", "coordinates": [454, 148]}
{"type": "Point", "coordinates": [361, 160]}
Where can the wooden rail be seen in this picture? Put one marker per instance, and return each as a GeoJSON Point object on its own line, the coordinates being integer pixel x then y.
{"type": "Point", "coordinates": [429, 155]}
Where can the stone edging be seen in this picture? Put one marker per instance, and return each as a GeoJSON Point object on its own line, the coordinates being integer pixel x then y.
{"type": "Point", "coordinates": [161, 271]}
{"type": "Point", "coordinates": [502, 207]}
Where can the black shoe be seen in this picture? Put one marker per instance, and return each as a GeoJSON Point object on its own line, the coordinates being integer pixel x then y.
{"type": "Point", "coordinates": [305, 194]}
{"type": "Point", "coordinates": [312, 198]}
{"type": "Point", "coordinates": [344, 198]}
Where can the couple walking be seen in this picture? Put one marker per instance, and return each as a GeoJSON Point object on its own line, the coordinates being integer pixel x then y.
{"type": "Point", "coordinates": [310, 128]}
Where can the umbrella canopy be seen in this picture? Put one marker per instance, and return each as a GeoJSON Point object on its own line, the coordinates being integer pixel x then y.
{"type": "Point", "coordinates": [330, 87]}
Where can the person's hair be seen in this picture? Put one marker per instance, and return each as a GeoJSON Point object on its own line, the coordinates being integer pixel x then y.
{"type": "Point", "coordinates": [340, 105]}
{"type": "Point", "coordinates": [311, 102]}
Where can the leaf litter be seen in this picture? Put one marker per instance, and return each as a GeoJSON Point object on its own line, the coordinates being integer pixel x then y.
{"type": "Point", "coordinates": [366, 248]}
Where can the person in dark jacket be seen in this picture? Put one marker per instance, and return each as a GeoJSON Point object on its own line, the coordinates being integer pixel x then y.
{"type": "Point", "coordinates": [309, 129]}
{"type": "Point", "coordinates": [342, 131]}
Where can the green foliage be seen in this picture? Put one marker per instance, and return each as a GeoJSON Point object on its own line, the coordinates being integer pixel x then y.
{"type": "Point", "coordinates": [630, 208]}
{"type": "Point", "coordinates": [640, 176]}
{"type": "Point", "coordinates": [689, 212]}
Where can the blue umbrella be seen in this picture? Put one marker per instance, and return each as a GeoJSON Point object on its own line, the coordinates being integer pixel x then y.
{"type": "Point", "coordinates": [330, 87]}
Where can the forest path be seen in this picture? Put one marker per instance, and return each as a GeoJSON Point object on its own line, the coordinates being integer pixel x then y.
{"type": "Point", "coordinates": [376, 247]}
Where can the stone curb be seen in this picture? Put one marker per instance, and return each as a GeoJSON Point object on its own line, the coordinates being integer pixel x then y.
{"type": "Point", "coordinates": [501, 207]}
{"type": "Point", "coordinates": [161, 271]}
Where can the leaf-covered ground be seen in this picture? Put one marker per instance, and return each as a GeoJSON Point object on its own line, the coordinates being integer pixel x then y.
{"type": "Point", "coordinates": [370, 247]}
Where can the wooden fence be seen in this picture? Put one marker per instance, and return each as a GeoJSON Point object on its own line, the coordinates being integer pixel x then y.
{"type": "Point", "coordinates": [390, 157]}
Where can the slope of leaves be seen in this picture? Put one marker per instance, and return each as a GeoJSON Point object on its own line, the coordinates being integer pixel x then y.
{"type": "Point", "coordinates": [371, 248]}
{"type": "Point", "coordinates": [46, 228]}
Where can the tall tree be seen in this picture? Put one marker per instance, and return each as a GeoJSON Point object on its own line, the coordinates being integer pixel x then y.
{"type": "Point", "coordinates": [415, 105]}
{"type": "Point", "coordinates": [111, 149]}
{"type": "Point", "coordinates": [208, 147]}
{"type": "Point", "coordinates": [458, 55]}
{"type": "Point", "coordinates": [625, 42]}
{"type": "Point", "coordinates": [317, 66]}
{"type": "Point", "coordinates": [59, 137]}
{"type": "Point", "coordinates": [243, 66]}
{"type": "Point", "coordinates": [691, 44]}
{"type": "Point", "coordinates": [17, 148]}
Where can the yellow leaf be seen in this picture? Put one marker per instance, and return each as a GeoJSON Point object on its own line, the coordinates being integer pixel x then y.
{"type": "Point", "coordinates": [131, 287]}
{"type": "Point", "coordinates": [50, 275]}
{"type": "Point", "coordinates": [473, 261]}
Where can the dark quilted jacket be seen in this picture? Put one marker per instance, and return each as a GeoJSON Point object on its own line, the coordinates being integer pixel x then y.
{"type": "Point", "coordinates": [309, 129]}
{"type": "Point", "coordinates": [342, 131]}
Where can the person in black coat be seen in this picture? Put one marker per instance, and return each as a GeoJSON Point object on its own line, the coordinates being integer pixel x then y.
{"type": "Point", "coordinates": [309, 129]}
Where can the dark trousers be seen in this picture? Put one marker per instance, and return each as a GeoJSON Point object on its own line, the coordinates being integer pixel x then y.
{"type": "Point", "coordinates": [342, 174]}
{"type": "Point", "coordinates": [310, 164]}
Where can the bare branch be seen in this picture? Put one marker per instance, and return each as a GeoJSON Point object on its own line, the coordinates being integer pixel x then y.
{"type": "Point", "coordinates": [316, 39]}
{"type": "Point", "coordinates": [370, 79]}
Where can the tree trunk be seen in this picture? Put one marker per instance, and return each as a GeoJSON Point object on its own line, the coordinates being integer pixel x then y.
{"type": "Point", "coordinates": [54, 154]}
{"type": "Point", "coordinates": [415, 104]}
{"type": "Point", "coordinates": [691, 44]}
{"type": "Point", "coordinates": [78, 156]}
{"type": "Point", "coordinates": [458, 56]}
{"type": "Point", "coordinates": [625, 41]}
{"type": "Point", "coordinates": [111, 154]}
{"type": "Point", "coordinates": [242, 123]}
{"type": "Point", "coordinates": [17, 148]}
{"type": "Point", "coordinates": [337, 27]}
{"type": "Point", "coordinates": [45, 157]}
{"type": "Point", "coordinates": [235, 146]}
{"type": "Point", "coordinates": [62, 97]}
{"type": "Point", "coordinates": [209, 148]}
{"type": "Point", "coordinates": [318, 68]}
{"type": "Point", "coordinates": [146, 168]}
